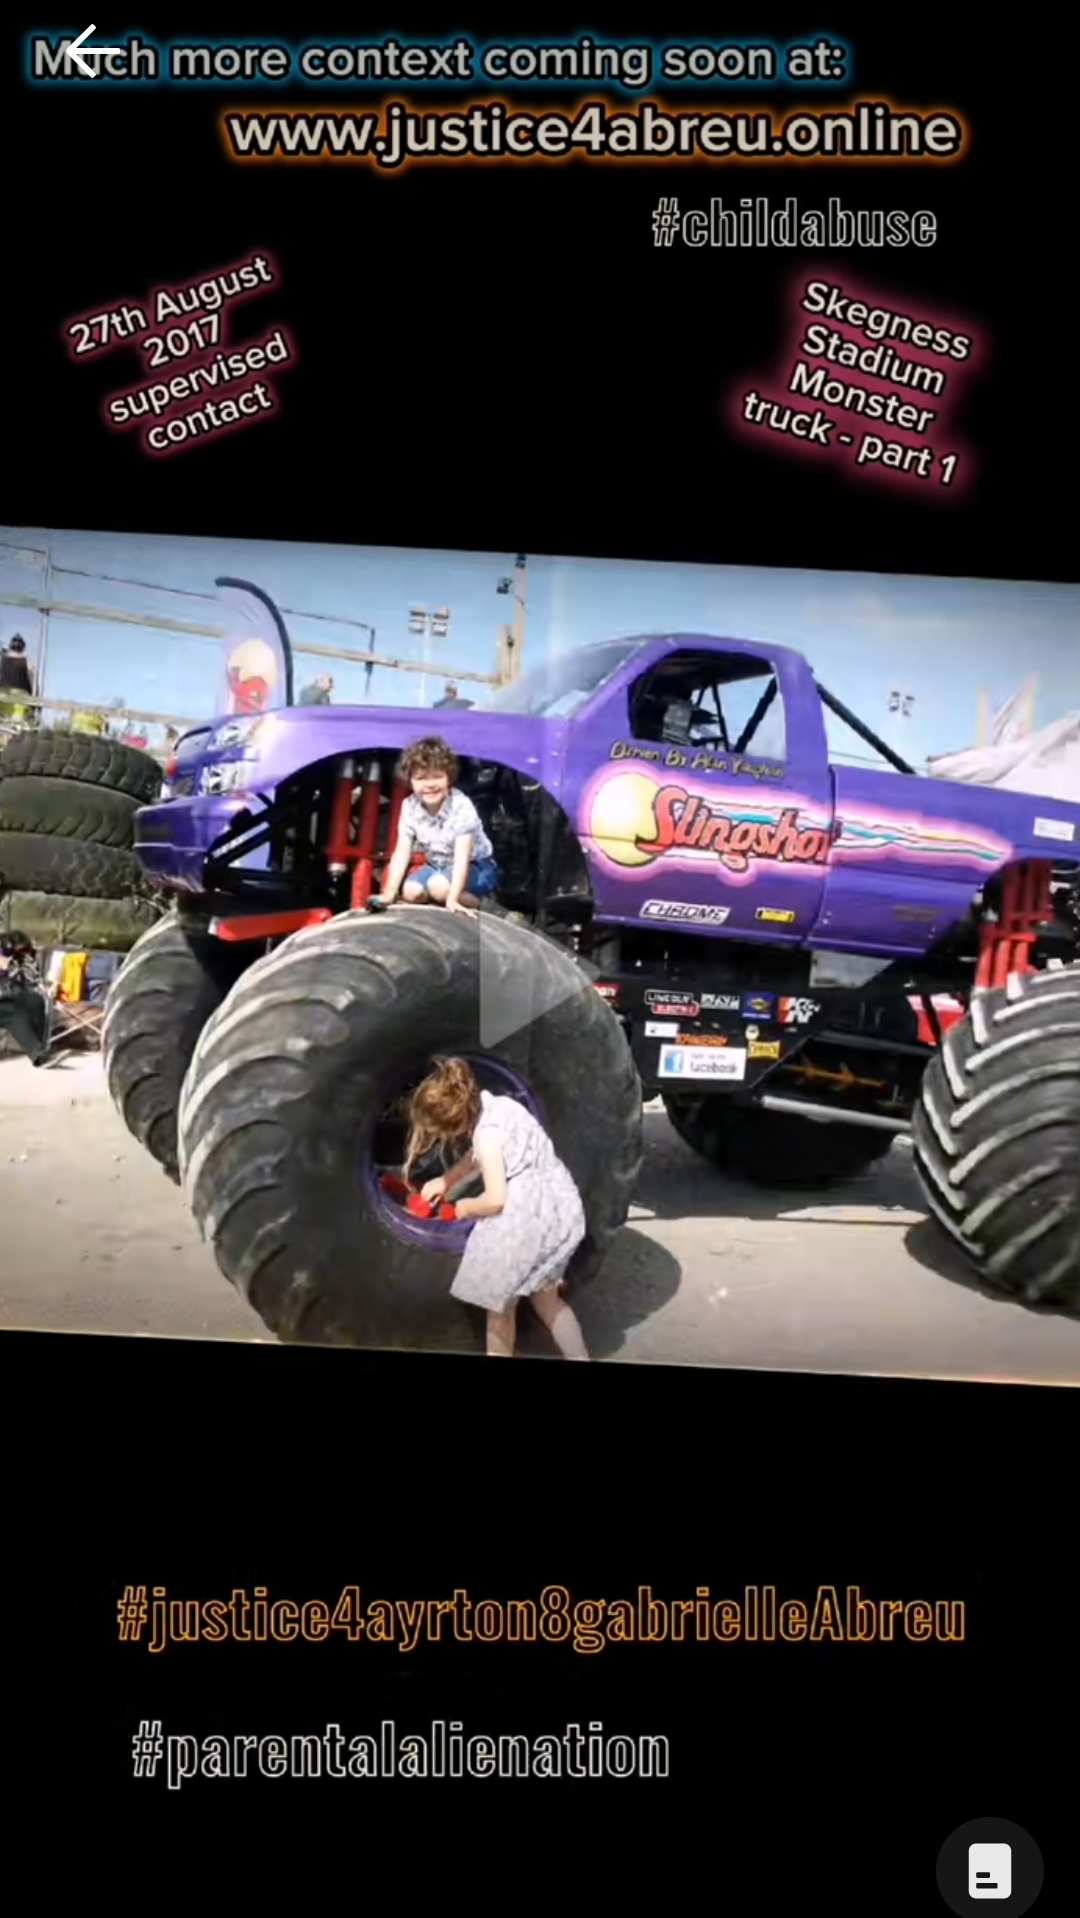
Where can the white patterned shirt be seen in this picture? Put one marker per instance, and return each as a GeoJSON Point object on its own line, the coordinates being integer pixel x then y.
{"type": "Point", "coordinates": [436, 834]}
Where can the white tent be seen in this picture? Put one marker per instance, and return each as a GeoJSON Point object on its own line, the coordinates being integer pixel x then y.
{"type": "Point", "coordinates": [1046, 764]}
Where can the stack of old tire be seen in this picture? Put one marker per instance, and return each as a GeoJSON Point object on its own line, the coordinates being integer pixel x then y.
{"type": "Point", "coordinates": [68, 873]}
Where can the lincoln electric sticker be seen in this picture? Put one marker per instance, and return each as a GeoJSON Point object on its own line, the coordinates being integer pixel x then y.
{"type": "Point", "coordinates": [636, 819]}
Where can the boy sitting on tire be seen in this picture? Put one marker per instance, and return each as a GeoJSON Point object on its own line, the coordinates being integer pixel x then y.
{"type": "Point", "coordinates": [444, 827]}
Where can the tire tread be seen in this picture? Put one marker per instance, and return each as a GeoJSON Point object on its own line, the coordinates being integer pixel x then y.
{"type": "Point", "coordinates": [85, 757]}
{"type": "Point", "coordinates": [159, 1002]}
{"type": "Point", "coordinates": [78, 868]}
{"type": "Point", "coordinates": [77, 924]}
{"type": "Point", "coordinates": [980, 1135]}
{"type": "Point", "coordinates": [68, 809]}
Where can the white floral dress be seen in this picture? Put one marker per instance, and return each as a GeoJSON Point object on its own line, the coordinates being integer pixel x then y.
{"type": "Point", "coordinates": [532, 1240]}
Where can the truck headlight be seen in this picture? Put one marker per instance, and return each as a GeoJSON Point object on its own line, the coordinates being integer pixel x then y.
{"type": "Point", "coordinates": [234, 776]}
{"type": "Point", "coordinates": [237, 732]}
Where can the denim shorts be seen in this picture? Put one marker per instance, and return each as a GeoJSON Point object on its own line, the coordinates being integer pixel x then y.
{"type": "Point", "coordinates": [481, 882]}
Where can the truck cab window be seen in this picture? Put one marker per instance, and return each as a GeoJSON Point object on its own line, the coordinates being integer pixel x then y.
{"type": "Point", "coordinates": [728, 701]}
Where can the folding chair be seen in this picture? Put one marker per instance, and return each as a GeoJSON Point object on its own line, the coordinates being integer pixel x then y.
{"type": "Point", "coordinates": [72, 1022]}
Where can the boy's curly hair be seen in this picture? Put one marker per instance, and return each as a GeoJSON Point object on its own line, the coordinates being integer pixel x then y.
{"type": "Point", "coordinates": [431, 755]}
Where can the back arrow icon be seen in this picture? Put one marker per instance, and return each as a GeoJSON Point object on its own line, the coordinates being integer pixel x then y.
{"type": "Point", "coordinates": [74, 54]}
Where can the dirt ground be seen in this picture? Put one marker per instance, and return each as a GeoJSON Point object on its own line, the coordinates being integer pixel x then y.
{"type": "Point", "coordinates": [94, 1238]}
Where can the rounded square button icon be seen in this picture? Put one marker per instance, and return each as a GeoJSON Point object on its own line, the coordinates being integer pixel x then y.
{"type": "Point", "coordinates": [990, 1861]}
{"type": "Point", "coordinates": [989, 1871]}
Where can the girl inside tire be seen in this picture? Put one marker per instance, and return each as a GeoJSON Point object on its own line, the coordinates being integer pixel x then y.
{"type": "Point", "coordinates": [530, 1219]}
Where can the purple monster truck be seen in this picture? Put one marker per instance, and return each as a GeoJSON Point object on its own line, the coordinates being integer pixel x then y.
{"type": "Point", "coordinates": [694, 903]}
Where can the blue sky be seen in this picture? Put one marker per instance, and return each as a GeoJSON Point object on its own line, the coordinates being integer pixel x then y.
{"type": "Point", "coordinates": [942, 641]}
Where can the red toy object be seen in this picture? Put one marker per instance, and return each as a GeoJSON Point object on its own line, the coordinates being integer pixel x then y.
{"type": "Point", "coordinates": [418, 1206]}
{"type": "Point", "coordinates": [422, 1210]}
{"type": "Point", "coordinates": [949, 1012]}
{"type": "Point", "coordinates": [251, 695]}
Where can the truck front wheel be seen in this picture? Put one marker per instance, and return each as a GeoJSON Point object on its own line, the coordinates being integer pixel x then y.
{"type": "Point", "coordinates": [776, 1149]}
{"type": "Point", "coordinates": [288, 1127]}
{"type": "Point", "coordinates": [997, 1137]}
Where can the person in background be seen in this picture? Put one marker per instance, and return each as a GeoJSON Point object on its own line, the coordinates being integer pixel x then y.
{"type": "Point", "coordinates": [16, 680]}
{"type": "Point", "coordinates": [25, 1005]}
{"type": "Point", "coordinates": [319, 693]}
{"type": "Point", "coordinates": [15, 673]}
{"type": "Point", "coordinates": [452, 698]}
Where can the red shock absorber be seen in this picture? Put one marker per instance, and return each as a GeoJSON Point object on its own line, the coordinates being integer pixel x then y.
{"type": "Point", "coordinates": [1026, 904]}
{"type": "Point", "coordinates": [398, 791]}
{"type": "Point", "coordinates": [398, 794]}
{"type": "Point", "coordinates": [363, 877]}
{"type": "Point", "coordinates": [339, 847]}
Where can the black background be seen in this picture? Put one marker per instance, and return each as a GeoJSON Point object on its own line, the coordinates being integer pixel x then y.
{"type": "Point", "coordinates": [499, 359]}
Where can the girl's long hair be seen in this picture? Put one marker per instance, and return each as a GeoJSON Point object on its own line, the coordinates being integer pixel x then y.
{"type": "Point", "coordinates": [442, 1111]}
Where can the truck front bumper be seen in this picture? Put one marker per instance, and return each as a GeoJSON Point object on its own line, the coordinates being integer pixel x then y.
{"type": "Point", "coordinates": [173, 838]}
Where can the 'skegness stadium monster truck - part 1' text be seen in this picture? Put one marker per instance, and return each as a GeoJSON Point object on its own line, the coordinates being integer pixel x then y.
{"type": "Point", "coordinates": [695, 902]}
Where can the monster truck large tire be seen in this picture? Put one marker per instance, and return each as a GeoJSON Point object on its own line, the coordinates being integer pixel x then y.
{"type": "Point", "coordinates": [282, 1103]}
{"type": "Point", "coordinates": [66, 809]}
{"type": "Point", "coordinates": [996, 1133]}
{"type": "Point", "coordinates": [774, 1149]}
{"type": "Point", "coordinates": [52, 920]}
{"type": "Point", "coordinates": [160, 1000]}
{"type": "Point", "coordinates": [84, 757]}
{"type": "Point", "coordinates": [38, 862]}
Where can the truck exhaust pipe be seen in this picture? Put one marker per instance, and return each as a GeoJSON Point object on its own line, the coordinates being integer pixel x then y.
{"type": "Point", "coordinates": [828, 1115]}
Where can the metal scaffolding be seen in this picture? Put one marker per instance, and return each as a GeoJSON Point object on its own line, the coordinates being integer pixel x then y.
{"type": "Point", "coordinates": [49, 602]}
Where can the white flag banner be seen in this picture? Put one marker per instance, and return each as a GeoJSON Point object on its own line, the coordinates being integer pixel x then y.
{"type": "Point", "coordinates": [1014, 720]}
{"type": "Point", "coordinates": [1008, 723]}
{"type": "Point", "coordinates": [258, 671]}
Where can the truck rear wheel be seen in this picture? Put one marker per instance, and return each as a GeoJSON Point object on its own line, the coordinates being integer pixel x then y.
{"type": "Point", "coordinates": [997, 1137]}
{"type": "Point", "coordinates": [282, 1129]}
{"type": "Point", "coordinates": [163, 995]}
{"type": "Point", "coordinates": [776, 1149]}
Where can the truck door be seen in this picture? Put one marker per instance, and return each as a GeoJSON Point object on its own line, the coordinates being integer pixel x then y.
{"type": "Point", "coordinates": [700, 785]}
